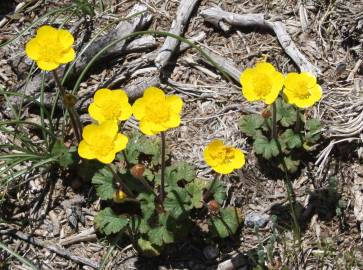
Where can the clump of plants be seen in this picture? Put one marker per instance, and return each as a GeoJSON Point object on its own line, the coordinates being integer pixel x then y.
{"type": "Point", "coordinates": [154, 201]}
{"type": "Point", "coordinates": [144, 194]}
{"type": "Point", "coordinates": [281, 133]}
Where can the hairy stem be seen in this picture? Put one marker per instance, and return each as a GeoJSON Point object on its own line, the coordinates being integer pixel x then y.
{"type": "Point", "coordinates": [162, 180]}
{"type": "Point", "coordinates": [74, 117]}
{"type": "Point", "coordinates": [121, 182]}
{"type": "Point", "coordinates": [298, 121]}
{"type": "Point", "coordinates": [274, 124]}
{"type": "Point", "coordinates": [209, 191]}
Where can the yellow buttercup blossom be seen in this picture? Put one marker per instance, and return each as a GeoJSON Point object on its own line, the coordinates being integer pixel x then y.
{"type": "Point", "coordinates": [156, 111]}
{"type": "Point", "coordinates": [51, 47]}
{"type": "Point", "coordinates": [302, 89]}
{"type": "Point", "coordinates": [102, 141]}
{"type": "Point", "coordinates": [110, 105]}
{"type": "Point", "coordinates": [223, 159]}
{"type": "Point", "coordinates": [262, 82]}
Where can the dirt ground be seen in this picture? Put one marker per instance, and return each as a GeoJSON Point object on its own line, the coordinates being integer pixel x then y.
{"type": "Point", "coordinates": [59, 209]}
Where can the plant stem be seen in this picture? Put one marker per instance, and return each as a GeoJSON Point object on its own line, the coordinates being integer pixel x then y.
{"type": "Point", "coordinates": [274, 124]}
{"type": "Point", "coordinates": [298, 121]}
{"type": "Point", "coordinates": [162, 178]}
{"type": "Point", "coordinates": [121, 182]}
{"type": "Point", "coordinates": [146, 184]}
{"type": "Point", "coordinates": [75, 122]}
{"type": "Point", "coordinates": [209, 191]}
{"type": "Point", "coordinates": [291, 196]}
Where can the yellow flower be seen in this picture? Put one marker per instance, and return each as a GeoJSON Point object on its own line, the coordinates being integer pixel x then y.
{"type": "Point", "coordinates": [101, 141]}
{"type": "Point", "coordinates": [110, 105]}
{"type": "Point", "coordinates": [302, 89]}
{"type": "Point", "coordinates": [223, 159]}
{"type": "Point", "coordinates": [51, 47]}
{"type": "Point", "coordinates": [156, 111]}
{"type": "Point", "coordinates": [263, 82]}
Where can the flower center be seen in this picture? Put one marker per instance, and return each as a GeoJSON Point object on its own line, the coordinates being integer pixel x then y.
{"type": "Point", "coordinates": [103, 144]}
{"type": "Point", "coordinates": [262, 84]}
{"type": "Point", "coordinates": [158, 112]}
{"type": "Point", "coordinates": [302, 90]}
{"type": "Point", "coordinates": [228, 155]}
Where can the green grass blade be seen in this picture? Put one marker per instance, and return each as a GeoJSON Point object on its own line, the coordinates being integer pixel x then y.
{"type": "Point", "coordinates": [19, 257]}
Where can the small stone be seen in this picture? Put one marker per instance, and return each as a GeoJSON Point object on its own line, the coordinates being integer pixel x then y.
{"type": "Point", "coordinates": [210, 252]}
{"type": "Point", "coordinates": [256, 219]}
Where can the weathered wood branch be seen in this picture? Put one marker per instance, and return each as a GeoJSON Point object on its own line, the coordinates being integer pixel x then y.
{"type": "Point", "coordinates": [52, 247]}
{"type": "Point", "coordinates": [178, 27]}
{"type": "Point", "coordinates": [225, 20]}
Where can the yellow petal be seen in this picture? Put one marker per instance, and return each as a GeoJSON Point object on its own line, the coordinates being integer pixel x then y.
{"type": "Point", "coordinates": [120, 142]}
{"type": "Point", "coordinates": [103, 97]}
{"type": "Point", "coordinates": [89, 133]}
{"type": "Point", "coordinates": [47, 33]}
{"type": "Point", "coordinates": [33, 49]}
{"type": "Point", "coordinates": [66, 56]}
{"type": "Point", "coordinates": [85, 151]}
{"type": "Point", "coordinates": [174, 121]}
{"type": "Point", "coordinates": [65, 38]}
{"type": "Point", "coordinates": [120, 95]}
{"type": "Point", "coordinates": [107, 158]}
{"type": "Point", "coordinates": [47, 66]}
{"type": "Point", "coordinates": [126, 112]}
{"type": "Point", "coordinates": [109, 128]}
{"type": "Point", "coordinates": [223, 168]}
{"type": "Point", "coordinates": [239, 159]}
{"type": "Point", "coordinates": [265, 67]}
{"type": "Point", "coordinates": [153, 93]}
{"type": "Point", "coordinates": [138, 109]}
{"type": "Point", "coordinates": [145, 128]}
{"type": "Point", "coordinates": [96, 112]}
{"type": "Point", "coordinates": [175, 103]}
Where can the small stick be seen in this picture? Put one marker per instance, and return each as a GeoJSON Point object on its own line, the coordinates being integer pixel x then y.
{"type": "Point", "coordinates": [52, 247]}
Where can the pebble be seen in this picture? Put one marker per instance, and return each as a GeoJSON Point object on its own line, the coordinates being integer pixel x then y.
{"type": "Point", "coordinates": [253, 219]}
{"type": "Point", "coordinates": [210, 252]}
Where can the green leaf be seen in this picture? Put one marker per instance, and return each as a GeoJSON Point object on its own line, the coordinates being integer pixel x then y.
{"type": "Point", "coordinates": [140, 144]}
{"type": "Point", "coordinates": [195, 190]}
{"type": "Point", "coordinates": [103, 180]}
{"type": "Point", "coordinates": [147, 248]}
{"type": "Point", "coordinates": [178, 172]}
{"type": "Point", "coordinates": [147, 204]}
{"type": "Point", "coordinates": [139, 225]}
{"type": "Point", "coordinates": [160, 236]}
{"type": "Point", "coordinates": [177, 202]}
{"type": "Point", "coordinates": [313, 127]}
{"type": "Point", "coordinates": [291, 165]}
{"type": "Point", "coordinates": [108, 222]}
{"type": "Point", "coordinates": [285, 113]}
{"type": "Point", "coordinates": [249, 124]}
{"type": "Point", "coordinates": [219, 191]}
{"type": "Point", "coordinates": [265, 147]}
{"type": "Point", "coordinates": [65, 156]}
{"type": "Point", "coordinates": [290, 139]}
{"type": "Point", "coordinates": [226, 223]}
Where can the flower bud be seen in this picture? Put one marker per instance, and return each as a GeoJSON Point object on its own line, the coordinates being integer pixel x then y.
{"type": "Point", "coordinates": [119, 196]}
{"type": "Point", "coordinates": [213, 206]}
{"type": "Point", "coordinates": [138, 170]}
{"type": "Point", "coordinates": [266, 113]}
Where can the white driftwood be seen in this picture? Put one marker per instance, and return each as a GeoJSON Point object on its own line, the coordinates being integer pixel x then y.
{"type": "Point", "coordinates": [225, 20]}
{"type": "Point", "coordinates": [178, 26]}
